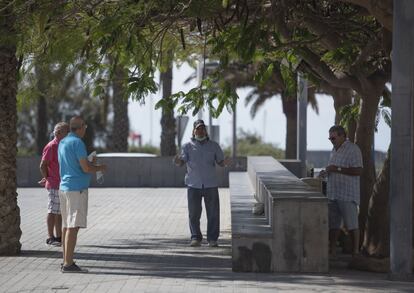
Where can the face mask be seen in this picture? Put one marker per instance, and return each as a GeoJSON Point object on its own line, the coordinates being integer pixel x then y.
{"type": "Point", "coordinates": [200, 138]}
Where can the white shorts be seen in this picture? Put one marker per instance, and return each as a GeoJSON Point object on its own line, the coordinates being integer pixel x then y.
{"type": "Point", "coordinates": [345, 212]}
{"type": "Point", "coordinates": [53, 202]}
{"type": "Point", "coordinates": [74, 208]}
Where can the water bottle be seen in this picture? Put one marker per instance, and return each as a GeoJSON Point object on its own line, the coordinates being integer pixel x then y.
{"type": "Point", "coordinates": [99, 177]}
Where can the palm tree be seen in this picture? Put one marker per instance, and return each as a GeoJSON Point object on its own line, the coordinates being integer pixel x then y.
{"type": "Point", "coordinates": [120, 131]}
{"type": "Point", "coordinates": [41, 107]}
{"type": "Point", "coordinates": [9, 211]}
{"type": "Point", "coordinates": [243, 75]}
{"type": "Point", "coordinates": [168, 131]}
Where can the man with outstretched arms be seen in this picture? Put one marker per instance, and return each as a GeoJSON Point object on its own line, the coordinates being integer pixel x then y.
{"type": "Point", "coordinates": [201, 156]}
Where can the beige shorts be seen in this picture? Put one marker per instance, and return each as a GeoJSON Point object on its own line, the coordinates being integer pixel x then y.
{"type": "Point", "coordinates": [74, 208]}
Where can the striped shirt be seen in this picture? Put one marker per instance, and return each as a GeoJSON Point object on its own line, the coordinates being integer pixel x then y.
{"type": "Point", "coordinates": [201, 159]}
{"type": "Point", "coordinates": [341, 186]}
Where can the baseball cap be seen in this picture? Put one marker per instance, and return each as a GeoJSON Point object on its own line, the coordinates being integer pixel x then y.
{"type": "Point", "coordinates": [199, 123]}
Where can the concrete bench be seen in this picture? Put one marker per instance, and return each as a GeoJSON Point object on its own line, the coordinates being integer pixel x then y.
{"type": "Point", "coordinates": [296, 213]}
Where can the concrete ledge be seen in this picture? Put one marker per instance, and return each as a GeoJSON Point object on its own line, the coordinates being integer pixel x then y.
{"type": "Point", "coordinates": [297, 214]}
{"type": "Point", "coordinates": [129, 172]}
{"type": "Point", "coordinates": [251, 235]}
{"type": "Point", "coordinates": [300, 222]}
{"type": "Point", "coordinates": [133, 172]}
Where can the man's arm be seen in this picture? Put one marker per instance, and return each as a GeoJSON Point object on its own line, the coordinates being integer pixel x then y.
{"type": "Point", "coordinates": [181, 157]}
{"type": "Point", "coordinates": [220, 159]}
{"type": "Point", "coordinates": [43, 168]}
{"type": "Point", "coordinates": [351, 171]}
{"type": "Point", "coordinates": [87, 167]}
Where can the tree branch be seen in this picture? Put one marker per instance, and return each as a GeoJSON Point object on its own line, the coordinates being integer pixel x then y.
{"type": "Point", "coordinates": [328, 37]}
{"type": "Point", "coordinates": [318, 66]}
{"type": "Point", "coordinates": [382, 10]}
{"type": "Point", "coordinates": [340, 80]}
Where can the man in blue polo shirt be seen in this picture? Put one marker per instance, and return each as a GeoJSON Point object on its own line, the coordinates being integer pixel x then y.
{"type": "Point", "coordinates": [201, 156]}
{"type": "Point", "coordinates": [75, 173]}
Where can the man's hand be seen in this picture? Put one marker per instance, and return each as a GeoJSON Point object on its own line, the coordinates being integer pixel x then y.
{"type": "Point", "coordinates": [42, 182]}
{"type": "Point", "coordinates": [177, 160]}
{"type": "Point", "coordinates": [331, 168]}
{"type": "Point", "coordinates": [227, 161]}
{"type": "Point", "coordinates": [323, 174]}
{"type": "Point", "coordinates": [328, 169]}
{"type": "Point", "coordinates": [102, 168]}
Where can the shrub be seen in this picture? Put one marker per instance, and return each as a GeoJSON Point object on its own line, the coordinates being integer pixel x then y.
{"type": "Point", "coordinates": [251, 144]}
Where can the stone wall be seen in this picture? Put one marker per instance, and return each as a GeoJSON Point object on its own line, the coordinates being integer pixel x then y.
{"type": "Point", "coordinates": [137, 172]}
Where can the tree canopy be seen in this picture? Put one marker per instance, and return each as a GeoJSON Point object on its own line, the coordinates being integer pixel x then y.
{"type": "Point", "coordinates": [337, 44]}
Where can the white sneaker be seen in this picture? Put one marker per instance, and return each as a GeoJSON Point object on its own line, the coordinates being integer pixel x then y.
{"type": "Point", "coordinates": [195, 243]}
{"type": "Point", "coordinates": [212, 244]}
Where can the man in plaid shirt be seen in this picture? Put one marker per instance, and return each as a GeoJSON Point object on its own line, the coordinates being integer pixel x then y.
{"type": "Point", "coordinates": [343, 171]}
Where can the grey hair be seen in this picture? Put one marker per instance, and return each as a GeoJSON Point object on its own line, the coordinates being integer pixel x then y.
{"type": "Point", "coordinates": [338, 129]}
{"type": "Point", "coordinates": [76, 123]}
{"type": "Point", "coordinates": [59, 127]}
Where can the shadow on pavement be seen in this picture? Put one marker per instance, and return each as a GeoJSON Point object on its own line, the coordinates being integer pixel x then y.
{"type": "Point", "coordinates": [173, 258]}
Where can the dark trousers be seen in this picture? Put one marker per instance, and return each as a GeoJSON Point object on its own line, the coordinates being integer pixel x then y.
{"type": "Point", "coordinates": [212, 205]}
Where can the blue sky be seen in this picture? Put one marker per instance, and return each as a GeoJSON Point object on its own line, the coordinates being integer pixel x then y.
{"type": "Point", "coordinates": [269, 123]}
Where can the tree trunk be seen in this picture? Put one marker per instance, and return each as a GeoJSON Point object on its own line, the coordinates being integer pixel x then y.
{"type": "Point", "coordinates": [168, 131]}
{"type": "Point", "coordinates": [352, 125]}
{"type": "Point", "coordinates": [9, 211]}
{"type": "Point", "coordinates": [89, 137]}
{"type": "Point", "coordinates": [290, 109]}
{"type": "Point", "coordinates": [42, 136]}
{"type": "Point", "coordinates": [343, 97]}
{"type": "Point", "coordinates": [365, 140]}
{"type": "Point", "coordinates": [120, 130]}
{"type": "Point", "coordinates": [377, 230]}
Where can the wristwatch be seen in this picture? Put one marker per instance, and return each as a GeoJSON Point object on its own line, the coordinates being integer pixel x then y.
{"type": "Point", "coordinates": [339, 169]}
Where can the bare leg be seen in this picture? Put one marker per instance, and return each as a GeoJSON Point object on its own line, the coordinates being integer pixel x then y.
{"type": "Point", "coordinates": [333, 239]}
{"type": "Point", "coordinates": [355, 241]}
{"type": "Point", "coordinates": [58, 225]}
{"type": "Point", "coordinates": [70, 243]}
{"type": "Point", "coordinates": [64, 230]}
{"type": "Point", "coordinates": [50, 221]}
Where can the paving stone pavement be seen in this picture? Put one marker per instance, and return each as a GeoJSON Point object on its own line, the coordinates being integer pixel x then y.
{"type": "Point", "coordinates": [137, 241]}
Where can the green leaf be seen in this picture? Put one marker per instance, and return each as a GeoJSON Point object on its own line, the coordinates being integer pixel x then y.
{"type": "Point", "coordinates": [264, 73]}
